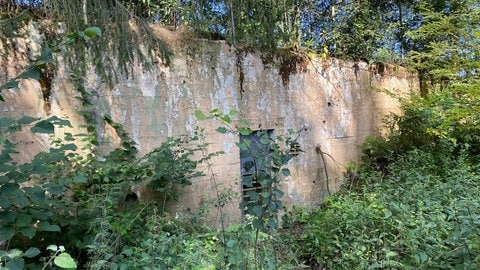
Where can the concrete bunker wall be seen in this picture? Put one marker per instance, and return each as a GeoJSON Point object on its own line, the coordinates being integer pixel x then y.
{"type": "Point", "coordinates": [333, 102]}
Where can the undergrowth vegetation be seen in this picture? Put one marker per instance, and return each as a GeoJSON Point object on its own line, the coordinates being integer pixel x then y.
{"type": "Point", "coordinates": [422, 215]}
{"type": "Point", "coordinates": [413, 202]}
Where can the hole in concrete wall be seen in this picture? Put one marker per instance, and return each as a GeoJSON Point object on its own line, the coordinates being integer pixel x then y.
{"type": "Point", "coordinates": [378, 68]}
{"type": "Point", "coordinates": [129, 201]}
{"type": "Point", "coordinates": [329, 104]}
{"type": "Point", "coordinates": [46, 77]}
{"type": "Point", "coordinates": [254, 162]}
{"type": "Point", "coordinates": [295, 149]}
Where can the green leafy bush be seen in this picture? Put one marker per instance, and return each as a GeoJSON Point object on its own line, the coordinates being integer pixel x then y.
{"type": "Point", "coordinates": [445, 123]}
{"type": "Point", "coordinates": [423, 215]}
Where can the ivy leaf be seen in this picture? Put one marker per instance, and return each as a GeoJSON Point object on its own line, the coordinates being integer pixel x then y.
{"type": "Point", "coordinates": [14, 253]}
{"type": "Point", "coordinates": [278, 193]}
{"type": "Point", "coordinates": [64, 260]}
{"type": "Point", "coordinates": [5, 203]}
{"type": "Point", "coordinates": [265, 194]}
{"type": "Point", "coordinates": [39, 169]}
{"type": "Point", "coordinates": [273, 206]}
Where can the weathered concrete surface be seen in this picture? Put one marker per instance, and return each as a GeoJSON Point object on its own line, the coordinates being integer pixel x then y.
{"type": "Point", "coordinates": [334, 102]}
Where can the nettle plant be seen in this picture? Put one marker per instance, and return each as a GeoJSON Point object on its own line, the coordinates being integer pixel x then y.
{"type": "Point", "coordinates": [32, 201]}
{"type": "Point", "coordinates": [32, 204]}
{"type": "Point", "coordinates": [268, 161]}
{"type": "Point", "coordinates": [262, 195]}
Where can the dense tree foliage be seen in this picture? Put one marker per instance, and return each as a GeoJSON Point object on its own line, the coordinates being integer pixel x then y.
{"type": "Point", "coordinates": [431, 33]}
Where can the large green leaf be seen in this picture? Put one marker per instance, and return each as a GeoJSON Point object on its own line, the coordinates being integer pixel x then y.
{"type": "Point", "coordinates": [23, 220]}
{"type": "Point", "coordinates": [8, 85]}
{"type": "Point", "coordinates": [258, 210]}
{"type": "Point", "coordinates": [31, 252]}
{"type": "Point", "coordinates": [16, 264]}
{"type": "Point", "coordinates": [25, 120]}
{"type": "Point", "coordinates": [17, 176]}
{"type": "Point", "coordinates": [39, 214]}
{"type": "Point", "coordinates": [55, 189]}
{"type": "Point", "coordinates": [285, 172]}
{"type": "Point", "coordinates": [59, 121]}
{"type": "Point", "coordinates": [200, 115]}
{"type": "Point", "coordinates": [6, 232]}
{"type": "Point", "coordinates": [4, 179]}
{"type": "Point", "coordinates": [46, 56]}
{"type": "Point", "coordinates": [80, 178]}
{"type": "Point", "coordinates": [10, 189]}
{"type": "Point", "coordinates": [46, 226]}
{"type": "Point", "coordinates": [28, 232]}
{"type": "Point", "coordinates": [93, 31]}
{"type": "Point", "coordinates": [36, 194]}
{"type": "Point", "coordinates": [245, 131]}
{"type": "Point", "coordinates": [6, 122]}
{"type": "Point", "coordinates": [5, 202]}
{"type": "Point", "coordinates": [222, 130]}
{"type": "Point", "coordinates": [8, 216]}
{"type": "Point", "coordinates": [64, 260]}
{"type": "Point", "coordinates": [20, 200]}
{"type": "Point", "coordinates": [31, 73]}
{"type": "Point", "coordinates": [43, 126]}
